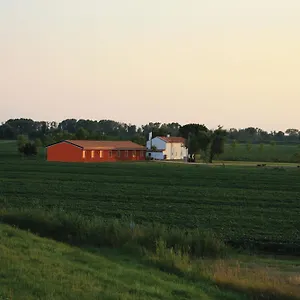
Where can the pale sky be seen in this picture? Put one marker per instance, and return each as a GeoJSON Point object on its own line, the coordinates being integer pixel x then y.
{"type": "Point", "coordinates": [235, 63]}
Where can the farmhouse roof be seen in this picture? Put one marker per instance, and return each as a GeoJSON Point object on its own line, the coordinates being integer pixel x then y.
{"type": "Point", "coordinates": [172, 139]}
{"type": "Point", "coordinates": [105, 145]}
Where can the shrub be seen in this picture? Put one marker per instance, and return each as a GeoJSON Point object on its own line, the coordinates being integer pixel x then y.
{"type": "Point", "coordinates": [28, 149]}
{"type": "Point", "coordinates": [96, 232]}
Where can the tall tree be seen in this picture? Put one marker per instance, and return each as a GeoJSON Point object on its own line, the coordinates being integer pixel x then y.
{"type": "Point", "coordinates": [217, 142]}
{"type": "Point", "coordinates": [197, 137]}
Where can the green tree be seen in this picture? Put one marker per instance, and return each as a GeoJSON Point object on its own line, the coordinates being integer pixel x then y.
{"type": "Point", "coordinates": [200, 139]}
{"type": "Point", "coordinates": [7, 132]}
{"type": "Point", "coordinates": [21, 141]}
{"type": "Point", "coordinates": [28, 149]}
{"type": "Point", "coordinates": [197, 137]}
{"type": "Point", "coordinates": [217, 142]}
{"type": "Point", "coordinates": [82, 134]}
{"type": "Point", "coordinates": [38, 143]}
{"type": "Point", "coordinates": [139, 139]}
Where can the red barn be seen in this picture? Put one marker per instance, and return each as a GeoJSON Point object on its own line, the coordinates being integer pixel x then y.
{"type": "Point", "coordinates": [95, 151]}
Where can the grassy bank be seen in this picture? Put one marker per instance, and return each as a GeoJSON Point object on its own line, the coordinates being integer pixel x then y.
{"type": "Point", "coordinates": [38, 268]}
{"type": "Point", "coordinates": [198, 258]}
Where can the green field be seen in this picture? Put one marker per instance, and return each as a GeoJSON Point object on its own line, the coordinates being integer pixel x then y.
{"type": "Point", "coordinates": [246, 206]}
{"type": "Point", "coordinates": [265, 153]}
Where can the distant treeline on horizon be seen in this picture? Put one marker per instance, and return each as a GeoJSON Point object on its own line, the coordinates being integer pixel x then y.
{"type": "Point", "coordinates": [49, 132]}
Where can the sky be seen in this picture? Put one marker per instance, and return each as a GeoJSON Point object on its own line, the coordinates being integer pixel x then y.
{"type": "Point", "coordinates": [232, 63]}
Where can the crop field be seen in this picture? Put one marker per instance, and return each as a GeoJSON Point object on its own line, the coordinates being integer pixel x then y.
{"type": "Point", "coordinates": [266, 153]}
{"type": "Point", "coordinates": [245, 205]}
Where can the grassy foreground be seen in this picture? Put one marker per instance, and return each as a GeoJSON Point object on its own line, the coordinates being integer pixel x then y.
{"type": "Point", "coordinates": [198, 258]}
{"type": "Point", "coordinates": [37, 268]}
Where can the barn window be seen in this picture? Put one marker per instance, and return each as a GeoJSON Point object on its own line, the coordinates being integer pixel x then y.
{"type": "Point", "coordinates": [133, 153]}
{"type": "Point", "coordinates": [100, 153]}
{"type": "Point", "coordinates": [83, 154]}
{"type": "Point", "coordinates": [126, 153]}
{"type": "Point", "coordinates": [142, 154]}
{"type": "Point", "coordinates": [110, 154]}
{"type": "Point", "coordinates": [119, 153]}
{"type": "Point", "coordinates": [92, 154]}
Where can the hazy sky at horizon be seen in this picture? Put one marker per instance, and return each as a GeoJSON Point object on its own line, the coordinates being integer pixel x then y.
{"type": "Point", "coordinates": [234, 63]}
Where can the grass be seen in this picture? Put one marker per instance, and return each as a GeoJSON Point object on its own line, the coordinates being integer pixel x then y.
{"type": "Point", "coordinates": [265, 153]}
{"type": "Point", "coordinates": [36, 268]}
{"type": "Point", "coordinates": [96, 232]}
{"type": "Point", "coordinates": [256, 208]}
{"type": "Point", "coordinates": [47, 269]}
{"type": "Point", "coordinates": [163, 215]}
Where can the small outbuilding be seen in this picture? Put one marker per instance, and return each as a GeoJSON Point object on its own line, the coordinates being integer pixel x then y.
{"type": "Point", "coordinates": [95, 151]}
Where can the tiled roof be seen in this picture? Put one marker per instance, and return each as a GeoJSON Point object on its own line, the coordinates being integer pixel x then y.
{"type": "Point", "coordinates": [110, 145]}
{"type": "Point", "coordinates": [172, 139]}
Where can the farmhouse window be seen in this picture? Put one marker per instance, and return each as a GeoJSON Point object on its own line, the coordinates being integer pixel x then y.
{"type": "Point", "coordinates": [83, 154]}
{"type": "Point", "coordinates": [142, 154]}
{"type": "Point", "coordinates": [133, 153]}
{"type": "Point", "coordinates": [119, 153]}
{"type": "Point", "coordinates": [100, 153]}
{"type": "Point", "coordinates": [92, 154]}
{"type": "Point", "coordinates": [126, 153]}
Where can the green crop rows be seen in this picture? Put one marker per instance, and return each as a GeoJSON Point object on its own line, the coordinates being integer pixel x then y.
{"type": "Point", "coordinates": [245, 205]}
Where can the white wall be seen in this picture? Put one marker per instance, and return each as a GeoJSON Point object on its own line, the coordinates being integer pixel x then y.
{"type": "Point", "coordinates": [158, 143]}
{"type": "Point", "coordinates": [172, 150]}
{"type": "Point", "coordinates": [156, 155]}
{"type": "Point", "coordinates": [176, 151]}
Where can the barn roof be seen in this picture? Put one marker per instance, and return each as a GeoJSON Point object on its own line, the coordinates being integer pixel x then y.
{"type": "Point", "coordinates": [105, 145]}
{"type": "Point", "coordinates": [172, 139]}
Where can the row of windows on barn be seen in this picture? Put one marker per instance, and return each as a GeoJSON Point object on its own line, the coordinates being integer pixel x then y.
{"type": "Point", "coordinates": [110, 153]}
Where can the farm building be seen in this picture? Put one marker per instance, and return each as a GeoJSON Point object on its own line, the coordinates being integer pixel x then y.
{"type": "Point", "coordinates": [95, 151]}
{"type": "Point", "coordinates": [169, 148]}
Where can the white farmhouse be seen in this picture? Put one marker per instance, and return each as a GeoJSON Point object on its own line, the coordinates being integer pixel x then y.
{"type": "Point", "coordinates": [169, 148]}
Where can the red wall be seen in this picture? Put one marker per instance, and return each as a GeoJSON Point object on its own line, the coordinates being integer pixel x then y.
{"type": "Point", "coordinates": [140, 155]}
{"type": "Point", "coordinates": [65, 152]}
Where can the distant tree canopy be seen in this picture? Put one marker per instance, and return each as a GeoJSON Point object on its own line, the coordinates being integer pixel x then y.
{"type": "Point", "coordinates": [199, 137]}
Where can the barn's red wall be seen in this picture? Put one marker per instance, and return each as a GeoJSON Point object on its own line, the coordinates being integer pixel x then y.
{"type": "Point", "coordinates": [106, 157]}
{"type": "Point", "coordinates": [64, 152]}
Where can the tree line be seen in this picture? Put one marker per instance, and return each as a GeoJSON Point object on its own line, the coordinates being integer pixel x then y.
{"type": "Point", "coordinates": [109, 129]}
{"type": "Point", "coordinates": [198, 136]}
